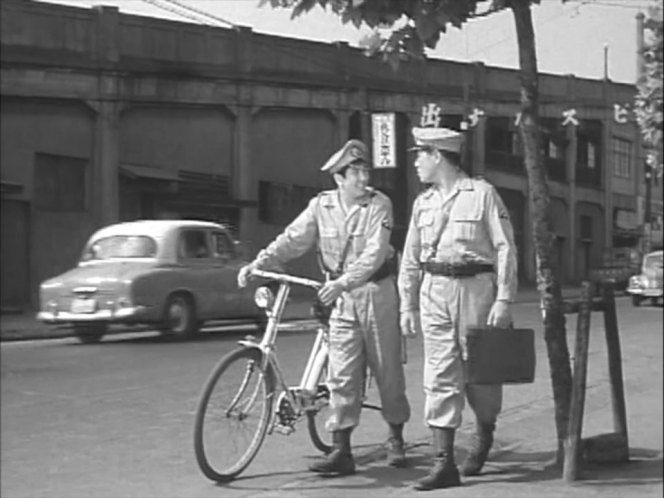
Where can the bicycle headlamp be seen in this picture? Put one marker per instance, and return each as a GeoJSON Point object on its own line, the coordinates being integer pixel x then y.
{"type": "Point", "coordinates": [264, 298]}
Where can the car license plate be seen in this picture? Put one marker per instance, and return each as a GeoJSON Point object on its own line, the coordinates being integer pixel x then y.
{"type": "Point", "coordinates": [83, 306]}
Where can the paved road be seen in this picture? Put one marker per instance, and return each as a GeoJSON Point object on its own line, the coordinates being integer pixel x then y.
{"type": "Point", "coordinates": [115, 419]}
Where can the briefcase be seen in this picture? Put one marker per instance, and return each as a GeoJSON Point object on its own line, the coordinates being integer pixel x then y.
{"type": "Point", "coordinates": [500, 356]}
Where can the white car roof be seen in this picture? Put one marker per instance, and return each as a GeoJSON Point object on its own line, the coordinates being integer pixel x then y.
{"type": "Point", "coordinates": [154, 228]}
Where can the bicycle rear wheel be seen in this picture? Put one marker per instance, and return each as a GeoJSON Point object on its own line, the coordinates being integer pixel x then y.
{"type": "Point", "coordinates": [233, 415]}
{"type": "Point", "coordinates": [318, 415]}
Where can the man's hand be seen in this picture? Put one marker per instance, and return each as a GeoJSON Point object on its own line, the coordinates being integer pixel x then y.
{"type": "Point", "coordinates": [330, 292]}
{"type": "Point", "coordinates": [410, 323]}
{"type": "Point", "coordinates": [500, 315]}
{"type": "Point", "coordinates": [244, 275]}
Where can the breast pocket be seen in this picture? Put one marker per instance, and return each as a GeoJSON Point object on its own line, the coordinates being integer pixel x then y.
{"type": "Point", "coordinates": [467, 224]}
{"type": "Point", "coordinates": [425, 225]}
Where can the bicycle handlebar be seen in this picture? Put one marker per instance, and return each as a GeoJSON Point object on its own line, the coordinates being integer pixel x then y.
{"type": "Point", "coordinates": [283, 277]}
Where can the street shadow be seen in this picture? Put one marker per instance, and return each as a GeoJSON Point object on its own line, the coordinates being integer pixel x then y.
{"type": "Point", "coordinates": [643, 467]}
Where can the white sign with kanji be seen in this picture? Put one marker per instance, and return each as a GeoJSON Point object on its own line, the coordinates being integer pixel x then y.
{"type": "Point", "coordinates": [384, 140]}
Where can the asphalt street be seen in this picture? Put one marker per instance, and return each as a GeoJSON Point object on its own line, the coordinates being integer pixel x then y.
{"type": "Point", "coordinates": [116, 419]}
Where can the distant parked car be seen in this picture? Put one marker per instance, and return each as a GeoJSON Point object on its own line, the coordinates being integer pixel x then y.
{"type": "Point", "coordinates": [172, 274]}
{"type": "Point", "coordinates": [648, 284]}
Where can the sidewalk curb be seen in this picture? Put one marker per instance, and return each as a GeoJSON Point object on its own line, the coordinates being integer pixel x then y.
{"type": "Point", "coordinates": [27, 328]}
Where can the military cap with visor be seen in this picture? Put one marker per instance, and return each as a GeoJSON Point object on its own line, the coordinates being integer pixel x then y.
{"type": "Point", "coordinates": [437, 138]}
{"type": "Point", "coordinates": [353, 151]}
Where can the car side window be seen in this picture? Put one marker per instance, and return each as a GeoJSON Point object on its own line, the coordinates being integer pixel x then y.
{"type": "Point", "coordinates": [223, 245]}
{"type": "Point", "coordinates": [193, 244]}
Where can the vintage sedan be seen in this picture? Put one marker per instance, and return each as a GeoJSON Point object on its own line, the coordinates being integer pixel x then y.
{"type": "Point", "coordinates": [648, 284]}
{"type": "Point", "coordinates": [170, 274]}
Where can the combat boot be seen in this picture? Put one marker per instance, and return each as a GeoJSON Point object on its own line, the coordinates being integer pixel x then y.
{"type": "Point", "coordinates": [443, 473]}
{"type": "Point", "coordinates": [340, 461]}
{"type": "Point", "coordinates": [479, 449]}
{"type": "Point", "coordinates": [396, 453]}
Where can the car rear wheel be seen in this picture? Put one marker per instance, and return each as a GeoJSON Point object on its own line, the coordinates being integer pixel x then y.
{"type": "Point", "coordinates": [90, 333]}
{"type": "Point", "coordinates": [636, 300]}
{"type": "Point", "coordinates": [180, 320]}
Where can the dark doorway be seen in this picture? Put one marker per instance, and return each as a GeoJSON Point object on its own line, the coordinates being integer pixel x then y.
{"type": "Point", "coordinates": [14, 251]}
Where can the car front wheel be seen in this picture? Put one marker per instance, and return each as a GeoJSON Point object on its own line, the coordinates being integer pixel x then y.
{"type": "Point", "coordinates": [180, 320]}
{"type": "Point", "coordinates": [636, 300]}
{"type": "Point", "coordinates": [90, 333]}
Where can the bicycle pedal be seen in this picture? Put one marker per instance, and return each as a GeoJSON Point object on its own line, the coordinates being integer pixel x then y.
{"type": "Point", "coordinates": [284, 430]}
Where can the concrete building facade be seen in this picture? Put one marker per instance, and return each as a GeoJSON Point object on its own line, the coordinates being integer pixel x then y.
{"type": "Point", "coordinates": [108, 117]}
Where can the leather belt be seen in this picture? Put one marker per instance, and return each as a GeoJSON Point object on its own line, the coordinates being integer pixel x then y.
{"type": "Point", "coordinates": [456, 270]}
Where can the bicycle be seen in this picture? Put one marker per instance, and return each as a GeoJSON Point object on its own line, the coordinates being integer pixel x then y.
{"type": "Point", "coordinates": [256, 400]}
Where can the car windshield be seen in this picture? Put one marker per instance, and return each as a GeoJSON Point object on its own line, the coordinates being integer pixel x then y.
{"type": "Point", "coordinates": [653, 262]}
{"type": "Point", "coordinates": [121, 246]}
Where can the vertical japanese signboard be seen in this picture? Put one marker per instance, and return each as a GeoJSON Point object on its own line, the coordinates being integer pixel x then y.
{"type": "Point", "coordinates": [384, 140]}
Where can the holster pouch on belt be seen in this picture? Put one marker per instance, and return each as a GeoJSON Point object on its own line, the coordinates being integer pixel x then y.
{"type": "Point", "coordinates": [456, 270]}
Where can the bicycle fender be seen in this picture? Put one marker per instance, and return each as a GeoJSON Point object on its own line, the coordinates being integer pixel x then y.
{"type": "Point", "coordinates": [266, 359]}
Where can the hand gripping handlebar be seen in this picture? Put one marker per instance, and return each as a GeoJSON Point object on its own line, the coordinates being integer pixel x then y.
{"type": "Point", "coordinates": [283, 277]}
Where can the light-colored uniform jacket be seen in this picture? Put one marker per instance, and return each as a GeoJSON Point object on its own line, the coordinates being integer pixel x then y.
{"type": "Point", "coordinates": [477, 229]}
{"type": "Point", "coordinates": [325, 221]}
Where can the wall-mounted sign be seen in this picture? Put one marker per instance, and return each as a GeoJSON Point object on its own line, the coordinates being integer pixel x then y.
{"type": "Point", "coordinates": [383, 132]}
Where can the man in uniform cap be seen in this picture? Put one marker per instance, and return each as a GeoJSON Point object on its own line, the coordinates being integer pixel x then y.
{"type": "Point", "coordinates": [351, 228]}
{"type": "Point", "coordinates": [458, 271]}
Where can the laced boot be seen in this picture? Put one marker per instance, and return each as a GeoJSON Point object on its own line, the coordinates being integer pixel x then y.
{"type": "Point", "coordinates": [479, 449]}
{"type": "Point", "coordinates": [340, 461]}
{"type": "Point", "coordinates": [396, 454]}
{"type": "Point", "coordinates": [443, 473]}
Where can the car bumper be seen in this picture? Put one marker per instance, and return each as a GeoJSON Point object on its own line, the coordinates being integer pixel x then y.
{"type": "Point", "coordinates": [121, 315]}
{"type": "Point", "coordinates": [646, 292]}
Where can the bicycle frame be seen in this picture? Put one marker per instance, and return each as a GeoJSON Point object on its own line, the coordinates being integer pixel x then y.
{"type": "Point", "coordinates": [302, 396]}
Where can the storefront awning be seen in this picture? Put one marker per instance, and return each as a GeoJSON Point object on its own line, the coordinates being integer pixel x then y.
{"type": "Point", "coordinates": [148, 172]}
{"type": "Point", "coordinates": [10, 187]}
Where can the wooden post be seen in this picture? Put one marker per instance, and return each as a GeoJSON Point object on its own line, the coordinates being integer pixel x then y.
{"type": "Point", "coordinates": [572, 442]}
{"type": "Point", "coordinates": [615, 363]}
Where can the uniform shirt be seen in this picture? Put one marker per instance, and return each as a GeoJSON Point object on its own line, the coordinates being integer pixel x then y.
{"type": "Point", "coordinates": [326, 222]}
{"type": "Point", "coordinates": [476, 228]}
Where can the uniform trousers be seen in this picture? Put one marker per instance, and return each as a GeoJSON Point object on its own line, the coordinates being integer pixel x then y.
{"type": "Point", "coordinates": [448, 306]}
{"type": "Point", "coordinates": [364, 331]}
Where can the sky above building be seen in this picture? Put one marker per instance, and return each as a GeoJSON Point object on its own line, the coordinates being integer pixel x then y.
{"type": "Point", "coordinates": [572, 37]}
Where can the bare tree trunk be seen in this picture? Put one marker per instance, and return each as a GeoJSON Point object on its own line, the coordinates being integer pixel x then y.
{"type": "Point", "coordinates": [538, 197]}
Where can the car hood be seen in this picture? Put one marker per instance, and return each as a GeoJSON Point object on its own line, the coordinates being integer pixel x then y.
{"type": "Point", "coordinates": [99, 276]}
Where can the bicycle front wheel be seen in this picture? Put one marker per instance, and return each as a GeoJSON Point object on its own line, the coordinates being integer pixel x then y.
{"type": "Point", "coordinates": [233, 415]}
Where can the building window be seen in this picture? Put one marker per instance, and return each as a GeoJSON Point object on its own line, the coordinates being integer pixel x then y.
{"type": "Point", "coordinates": [553, 143]}
{"type": "Point", "coordinates": [589, 157]}
{"type": "Point", "coordinates": [621, 153]}
{"type": "Point", "coordinates": [586, 228]}
{"type": "Point", "coordinates": [499, 137]}
{"type": "Point", "coordinates": [60, 183]}
{"type": "Point", "coordinates": [279, 203]}
{"type": "Point", "coordinates": [503, 145]}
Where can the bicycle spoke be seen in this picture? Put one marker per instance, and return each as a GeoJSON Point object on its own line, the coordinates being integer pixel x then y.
{"type": "Point", "coordinates": [234, 416]}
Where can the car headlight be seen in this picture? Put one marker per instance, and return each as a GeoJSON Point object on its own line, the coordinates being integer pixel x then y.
{"type": "Point", "coordinates": [635, 281]}
{"type": "Point", "coordinates": [264, 298]}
